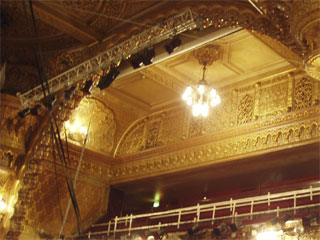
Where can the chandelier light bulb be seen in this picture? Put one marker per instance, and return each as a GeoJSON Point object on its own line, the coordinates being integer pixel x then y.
{"type": "Point", "coordinates": [196, 109]}
{"type": "Point", "coordinates": [213, 92]}
{"type": "Point", "coordinates": [215, 101]}
{"type": "Point", "coordinates": [201, 98]}
{"type": "Point", "coordinates": [187, 93]}
{"type": "Point", "coordinates": [201, 89]}
{"type": "Point", "coordinates": [205, 110]}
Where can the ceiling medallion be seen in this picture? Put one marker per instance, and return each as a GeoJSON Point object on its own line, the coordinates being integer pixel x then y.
{"type": "Point", "coordinates": [201, 96]}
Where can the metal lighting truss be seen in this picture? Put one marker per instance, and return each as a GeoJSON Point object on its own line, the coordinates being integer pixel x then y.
{"type": "Point", "coordinates": [199, 213]}
{"type": "Point", "coordinates": [175, 25]}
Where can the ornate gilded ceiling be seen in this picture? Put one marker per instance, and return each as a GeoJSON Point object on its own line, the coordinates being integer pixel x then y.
{"type": "Point", "coordinates": [139, 127]}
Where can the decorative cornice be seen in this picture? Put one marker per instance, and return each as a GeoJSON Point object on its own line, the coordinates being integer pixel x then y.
{"type": "Point", "coordinates": [232, 148]}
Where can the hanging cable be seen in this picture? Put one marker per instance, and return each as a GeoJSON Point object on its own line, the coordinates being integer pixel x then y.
{"type": "Point", "coordinates": [55, 174]}
{"type": "Point", "coordinates": [53, 132]}
{"type": "Point", "coordinates": [75, 178]}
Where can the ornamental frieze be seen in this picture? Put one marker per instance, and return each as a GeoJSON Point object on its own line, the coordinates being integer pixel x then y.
{"type": "Point", "coordinates": [265, 100]}
{"type": "Point", "coordinates": [277, 138]}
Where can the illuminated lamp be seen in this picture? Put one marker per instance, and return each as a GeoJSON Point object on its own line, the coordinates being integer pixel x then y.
{"type": "Point", "coordinates": [202, 97]}
{"type": "Point", "coordinates": [270, 235]}
{"type": "Point", "coordinates": [156, 204]}
{"type": "Point", "coordinates": [107, 79]}
{"type": "Point", "coordinates": [153, 236]}
{"type": "Point", "coordinates": [3, 205]}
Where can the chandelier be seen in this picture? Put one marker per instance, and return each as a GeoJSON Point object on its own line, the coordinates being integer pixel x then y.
{"type": "Point", "coordinates": [202, 96]}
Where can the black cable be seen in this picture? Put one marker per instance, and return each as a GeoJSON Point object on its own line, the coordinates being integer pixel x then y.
{"type": "Point", "coordinates": [39, 47]}
{"type": "Point", "coordinates": [70, 188]}
{"type": "Point", "coordinates": [60, 142]}
{"type": "Point", "coordinates": [69, 183]}
{"type": "Point", "coordinates": [35, 55]}
{"type": "Point", "coordinates": [56, 175]}
{"type": "Point", "coordinates": [67, 146]}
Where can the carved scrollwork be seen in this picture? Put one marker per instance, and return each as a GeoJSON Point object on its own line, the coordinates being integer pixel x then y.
{"type": "Point", "coordinates": [222, 149]}
{"type": "Point", "coordinates": [245, 109]}
{"type": "Point", "coordinates": [269, 98]}
{"type": "Point", "coordinates": [303, 93]}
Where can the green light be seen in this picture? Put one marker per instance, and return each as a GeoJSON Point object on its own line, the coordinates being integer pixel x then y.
{"type": "Point", "coordinates": [156, 204]}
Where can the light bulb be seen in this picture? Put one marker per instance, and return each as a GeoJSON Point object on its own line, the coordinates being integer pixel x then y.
{"type": "Point", "coordinates": [189, 101]}
{"type": "Point", "coordinates": [156, 204]}
{"type": "Point", "coordinates": [215, 101]}
{"type": "Point", "coordinates": [213, 92]}
{"type": "Point", "coordinates": [3, 206]}
{"type": "Point", "coordinates": [196, 109]}
{"type": "Point", "coordinates": [72, 128]}
{"type": "Point", "coordinates": [67, 124]}
{"type": "Point", "coordinates": [186, 93]}
{"type": "Point", "coordinates": [270, 235]}
{"type": "Point", "coordinates": [205, 110]}
{"type": "Point", "coordinates": [218, 99]}
{"type": "Point", "coordinates": [77, 124]}
{"type": "Point", "coordinates": [83, 130]}
{"type": "Point", "coordinates": [201, 89]}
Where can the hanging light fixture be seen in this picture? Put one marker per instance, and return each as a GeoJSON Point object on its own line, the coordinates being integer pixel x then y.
{"type": "Point", "coordinates": [202, 96]}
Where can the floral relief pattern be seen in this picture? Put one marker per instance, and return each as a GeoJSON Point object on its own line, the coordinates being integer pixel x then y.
{"type": "Point", "coordinates": [245, 109]}
{"type": "Point", "coordinates": [303, 93]}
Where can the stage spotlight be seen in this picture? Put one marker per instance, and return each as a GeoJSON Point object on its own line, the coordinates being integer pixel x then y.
{"type": "Point", "coordinates": [35, 110]}
{"type": "Point", "coordinates": [23, 113]}
{"type": "Point", "coordinates": [173, 45]}
{"type": "Point", "coordinates": [69, 93]}
{"type": "Point", "coordinates": [88, 86]}
{"type": "Point", "coordinates": [148, 56]}
{"type": "Point", "coordinates": [136, 61]}
{"type": "Point", "coordinates": [107, 79]}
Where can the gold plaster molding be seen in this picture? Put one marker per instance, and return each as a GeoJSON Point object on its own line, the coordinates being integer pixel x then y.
{"type": "Point", "coordinates": [265, 140]}
{"type": "Point", "coordinates": [163, 79]}
{"type": "Point", "coordinates": [267, 102]}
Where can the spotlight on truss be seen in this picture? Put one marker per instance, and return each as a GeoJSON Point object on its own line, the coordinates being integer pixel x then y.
{"type": "Point", "coordinates": [107, 79]}
{"type": "Point", "coordinates": [173, 45]}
